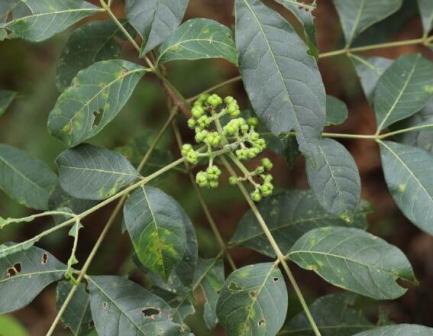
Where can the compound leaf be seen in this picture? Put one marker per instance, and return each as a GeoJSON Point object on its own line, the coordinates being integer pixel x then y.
{"type": "Point", "coordinates": [354, 260]}
{"type": "Point", "coordinates": [38, 20]}
{"type": "Point", "coordinates": [289, 215]}
{"type": "Point", "coordinates": [93, 173]}
{"type": "Point", "coordinates": [96, 96]}
{"type": "Point", "coordinates": [27, 180]}
{"type": "Point", "coordinates": [155, 20]}
{"type": "Point", "coordinates": [6, 98]}
{"type": "Point", "coordinates": [24, 275]}
{"type": "Point", "coordinates": [358, 15]}
{"type": "Point", "coordinates": [199, 39]}
{"type": "Point", "coordinates": [336, 111]}
{"type": "Point", "coordinates": [334, 177]}
{"type": "Point", "coordinates": [281, 78]}
{"type": "Point", "coordinates": [156, 225]}
{"type": "Point", "coordinates": [253, 301]}
{"type": "Point", "coordinates": [403, 90]}
{"type": "Point", "coordinates": [409, 176]}
{"type": "Point", "coordinates": [398, 330]}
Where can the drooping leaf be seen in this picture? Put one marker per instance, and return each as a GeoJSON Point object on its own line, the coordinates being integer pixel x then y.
{"type": "Point", "coordinates": [96, 96]}
{"type": "Point", "coordinates": [24, 275]}
{"type": "Point", "coordinates": [122, 307]}
{"type": "Point", "coordinates": [399, 330]}
{"type": "Point", "coordinates": [334, 177]}
{"type": "Point", "coordinates": [155, 20]}
{"type": "Point", "coordinates": [336, 111]}
{"type": "Point", "coordinates": [409, 176]}
{"type": "Point", "coordinates": [358, 15]}
{"type": "Point", "coordinates": [26, 180]}
{"type": "Point", "coordinates": [334, 315]}
{"type": "Point", "coordinates": [156, 225]}
{"type": "Point", "coordinates": [93, 173]}
{"type": "Point", "coordinates": [253, 301]}
{"type": "Point", "coordinates": [91, 43]}
{"type": "Point", "coordinates": [6, 98]}
{"type": "Point", "coordinates": [38, 20]}
{"type": "Point", "coordinates": [369, 71]}
{"type": "Point", "coordinates": [199, 39]}
{"type": "Point", "coordinates": [404, 89]}
{"type": "Point", "coordinates": [354, 260]}
{"type": "Point", "coordinates": [77, 316]}
{"type": "Point", "coordinates": [282, 80]}
{"type": "Point", "coordinates": [426, 12]}
{"type": "Point", "coordinates": [289, 215]}
{"type": "Point", "coordinates": [210, 278]}
{"type": "Point", "coordinates": [11, 326]}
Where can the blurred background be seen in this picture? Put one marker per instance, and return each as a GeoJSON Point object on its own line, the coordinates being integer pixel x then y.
{"type": "Point", "coordinates": [30, 69]}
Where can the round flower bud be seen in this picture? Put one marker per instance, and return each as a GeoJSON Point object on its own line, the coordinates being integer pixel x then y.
{"type": "Point", "coordinates": [233, 180]}
{"type": "Point", "coordinates": [256, 196]}
{"type": "Point", "coordinates": [214, 100]}
{"type": "Point", "coordinates": [267, 164]}
{"type": "Point", "coordinates": [191, 123]}
{"type": "Point", "coordinates": [197, 111]}
{"type": "Point", "coordinates": [201, 179]}
{"type": "Point", "coordinates": [252, 121]}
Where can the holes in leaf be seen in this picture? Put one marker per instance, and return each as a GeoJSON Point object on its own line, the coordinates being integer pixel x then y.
{"type": "Point", "coordinates": [233, 287]}
{"type": "Point", "coordinates": [105, 305]}
{"type": "Point", "coordinates": [97, 117]}
{"type": "Point", "coordinates": [14, 270]}
{"type": "Point", "coordinates": [151, 312]}
{"type": "Point", "coordinates": [253, 294]}
{"type": "Point", "coordinates": [275, 279]}
{"type": "Point", "coordinates": [44, 259]}
{"type": "Point", "coordinates": [261, 323]}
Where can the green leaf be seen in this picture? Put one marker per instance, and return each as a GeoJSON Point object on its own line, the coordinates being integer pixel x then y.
{"type": "Point", "coordinates": [358, 15]}
{"type": "Point", "coordinates": [409, 178]}
{"type": "Point", "coordinates": [11, 326]}
{"type": "Point", "coordinates": [289, 215]}
{"type": "Point", "coordinates": [24, 275]}
{"type": "Point", "coordinates": [156, 225]}
{"type": "Point", "coordinates": [77, 316]}
{"type": "Point", "coordinates": [282, 80]}
{"type": "Point", "coordinates": [253, 301]}
{"type": "Point", "coordinates": [91, 43]}
{"type": "Point", "coordinates": [354, 260]}
{"type": "Point", "coordinates": [399, 330]}
{"type": "Point", "coordinates": [122, 307]}
{"type": "Point", "coordinates": [334, 177]}
{"type": "Point", "coordinates": [336, 111]}
{"type": "Point", "coordinates": [6, 98]}
{"type": "Point", "coordinates": [199, 39]}
{"type": "Point", "coordinates": [369, 71]}
{"type": "Point", "coordinates": [426, 12]}
{"type": "Point", "coordinates": [96, 96]}
{"type": "Point", "coordinates": [210, 278]}
{"type": "Point", "coordinates": [93, 173]}
{"type": "Point", "coordinates": [334, 315]}
{"type": "Point", "coordinates": [403, 89]}
{"type": "Point", "coordinates": [155, 20]}
{"type": "Point", "coordinates": [38, 20]}
{"type": "Point", "coordinates": [26, 180]}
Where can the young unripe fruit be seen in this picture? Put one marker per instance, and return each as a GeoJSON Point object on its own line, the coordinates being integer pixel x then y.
{"type": "Point", "coordinates": [197, 111]}
{"type": "Point", "coordinates": [233, 180]}
{"type": "Point", "coordinates": [267, 164]}
{"type": "Point", "coordinates": [191, 123]}
{"type": "Point", "coordinates": [256, 196]}
{"type": "Point", "coordinates": [252, 121]}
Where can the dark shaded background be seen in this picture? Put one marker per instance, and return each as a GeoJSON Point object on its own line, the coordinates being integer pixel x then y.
{"type": "Point", "coordinates": [30, 69]}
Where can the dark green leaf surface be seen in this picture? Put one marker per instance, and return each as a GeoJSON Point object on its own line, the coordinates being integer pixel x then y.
{"type": "Point", "coordinates": [404, 89]}
{"type": "Point", "coordinates": [121, 307]}
{"type": "Point", "coordinates": [156, 225]}
{"type": "Point", "coordinates": [26, 180]}
{"type": "Point", "coordinates": [282, 80]}
{"type": "Point", "coordinates": [409, 176]}
{"type": "Point", "coordinates": [77, 316]}
{"type": "Point", "coordinates": [399, 330]}
{"type": "Point", "coordinates": [93, 173]}
{"type": "Point", "coordinates": [91, 43]}
{"type": "Point", "coordinates": [199, 39]}
{"type": "Point", "coordinates": [24, 275]}
{"type": "Point", "coordinates": [38, 20]}
{"type": "Point", "coordinates": [253, 301]}
{"type": "Point", "coordinates": [369, 71]}
{"type": "Point", "coordinates": [155, 20]}
{"type": "Point", "coordinates": [426, 12]}
{"type": "Point", "coordinates": [334, 315]}
{"type": "Point", "coordinates": [357, 15]}
{"type": "Point", "coordinates": [6, 98]}
{"type": "Point", "coordinates": [334, 177]}
{"type": "Point", "coordinates": [210, 278]}
{"type": "Point", "coordinates": [289, 215]}
{"type": "Point", "coordinates": [96, 96]}
{"type": "Point", "coordinates": [354, 260]}
{"type": "Point", "coordinates": [336, 111]}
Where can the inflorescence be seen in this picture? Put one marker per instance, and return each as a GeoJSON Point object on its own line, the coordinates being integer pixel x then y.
{"type": "Point", "coordinates": [220, 129]}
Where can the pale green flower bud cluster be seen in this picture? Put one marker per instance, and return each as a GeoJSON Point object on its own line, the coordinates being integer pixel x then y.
{"type": "Point", "coordinates": [237, 135]}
